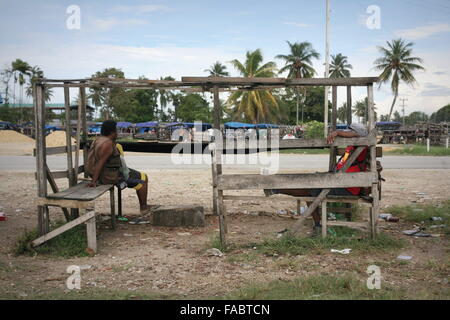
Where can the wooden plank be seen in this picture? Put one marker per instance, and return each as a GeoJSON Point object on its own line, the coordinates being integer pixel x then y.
{"type": "Point", "coordinates": [55, 189]}
{"type": "Point", "coordinates": [362, 81]}
{"type": "Point", "coordinates": [332, 160]}
{"type": "Point", "coordinates": [41, 175]}
{"type": "Point", "coordinates": [119, 202]}
{"type": "Point", "coordinates": [347, 199]}
{"type": "Point", "coordinates": [305, 143]}
{"type": "Point", "coordinates": [68, 136]}
{"type": "Point", "coordinates": [113, 208]}
{"type": "Point", "coordinates": [63, 228]}
{"type": "Point", "coordinates": [91, 231]}
{"type": "Point", "coordinates": [53, 150]}
{"type": "Point", "coordinates": [81, 192]}
{"type": "Point", "coordinates": [63, 203]}
{"type": "Point", "coordinates": [77, 139]}
{"type": "Point", "coordinates": [324, 219]}
{"type": "Point", "coordinates": [350, 224]}
{"type": "Point", "coordinates": [349, 105]}
{"type": "Point", "coordinates": [61, 174]}
{"type": "Point", "coordinates": [84, 126]}
{"type": "Point", "coordinates": [296, 181]}
{"type": "Point", "coordinates": [322, 143]}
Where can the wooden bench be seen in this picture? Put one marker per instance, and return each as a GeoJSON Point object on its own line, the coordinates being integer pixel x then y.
{"type": "Point", "coordinates": [80, 197]}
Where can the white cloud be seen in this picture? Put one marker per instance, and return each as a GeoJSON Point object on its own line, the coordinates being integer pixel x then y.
{"type": "Point", "coordinates": [103, 25]}
{"type": "Point", "coordinates": [298, 24]}
{"type": "Point", "coordinates": [81, 60]}
{"type": "Point", "coordinates": [140, 9]}
{"type": "Point", "coordinates": [423, 32]}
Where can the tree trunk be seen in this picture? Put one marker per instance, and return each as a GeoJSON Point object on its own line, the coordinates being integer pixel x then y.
{"type": "Point", "coordinates": [298, 100]}
{"type": "Point", "coordinates": [392, 107]}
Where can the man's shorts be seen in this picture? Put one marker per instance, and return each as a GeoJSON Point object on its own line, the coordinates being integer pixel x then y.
{"type": "Point", "coordinates": [333, 192]}
{"type": "Point", "coordinates": [136, 175]}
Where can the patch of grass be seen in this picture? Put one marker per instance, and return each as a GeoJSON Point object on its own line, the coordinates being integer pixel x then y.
{"type": "Point", "coordinates": [344, 238]}
{"type": "Point", "coordinates": [316, 287]}
{"type": "Point", "coordinates": [419, 150]}
{"type": "Point", "coordinates": [245, 257]}
{"type": "Point", "coordinates": [419, 212]}
{"type": "Point", "coordinates": [71, 243]}
{"type": "Point", "coordinates": [215, 243]}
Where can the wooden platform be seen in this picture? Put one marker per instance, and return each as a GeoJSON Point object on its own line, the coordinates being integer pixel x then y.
{"type": "Point", "coordinates": [81, 192]}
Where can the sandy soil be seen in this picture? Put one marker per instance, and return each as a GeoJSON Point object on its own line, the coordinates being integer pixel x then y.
{"type": "Point", "coordinates": [161, 260]}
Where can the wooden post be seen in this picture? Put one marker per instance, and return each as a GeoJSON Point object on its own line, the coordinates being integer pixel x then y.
{"type": "Point", "coordinates": [68, 136]}
{"type": "Point", "coordinates": [373, 164]}
{"type": "Point", "coordinates": [41, 162]}
{"type": "Point", "coordinates": [113, 208]}
{"type": "Point", "coordinates": [349, 105]}
{"type": "Point", "coordinates": [70, 168]}
{"type": "Point", "coordinates": [218, 205]}
{"type": "Point", "coordinates": [84, 126]}
{"type": "Point", "coordinates": [119, 202]}
{"type": "Point", "coordinates": [91, 230]}
{"type": "Point", "coordinates": [216, 122]}
{"type": "Point", "coordinates": [324, 219]}
{"type": "Point", "coordinates": [333, 150]}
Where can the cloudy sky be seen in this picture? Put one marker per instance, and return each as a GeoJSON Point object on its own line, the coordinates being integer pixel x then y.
{"type": "Point", "coordinates": [184, 37]}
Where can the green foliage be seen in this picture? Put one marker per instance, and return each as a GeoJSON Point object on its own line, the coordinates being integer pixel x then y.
{"type": "Point", "coordinates": [259, 105]}
{"type": "Point", "coordinates": [344, 238]}
{"type": "Point", "coordinates": [314, 129]}
{"type": "Point", "coordinates": [71, 243]}
{"type": "Point", "coordinates": [312, 102]}
{"type": "Point", "coordinates": [339, 66]}
{"type": "Point", "coordinates": [299, 60]}
{"type": "Point", "coordinates": [415, 117]}
{"type": "Point", "coordinates": [442, 115]}
{"type": "Point", "coordinates": [107, 99]}
{"type": "Point", "coordinates": [397, 65]}
{"type": "Point", "coordinates": [16, 115]}
{"type": "Point", "coordinates": [217, 70]}
{"type": "Point", "coordinates": [193, 107]}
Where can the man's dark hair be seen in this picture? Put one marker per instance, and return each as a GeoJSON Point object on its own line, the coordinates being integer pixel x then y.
{"type": "Point", "coordinates": [108, 127]}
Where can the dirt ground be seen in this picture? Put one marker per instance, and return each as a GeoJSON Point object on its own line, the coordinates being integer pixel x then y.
{"type": "Point", "coordinates": [165, 261]}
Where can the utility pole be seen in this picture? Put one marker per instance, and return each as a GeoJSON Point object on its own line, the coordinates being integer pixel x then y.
{"type": "Point", "coordinates": [327, 65]}
{"type": "Point", "coordinates": [403, 109]}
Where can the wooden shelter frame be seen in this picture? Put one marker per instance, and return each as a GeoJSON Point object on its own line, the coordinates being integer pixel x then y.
{"type": "Point", "coordinates": [221, 182]}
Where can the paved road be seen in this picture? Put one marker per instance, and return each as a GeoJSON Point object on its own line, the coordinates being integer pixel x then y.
{"type": "Point", "coordinates": [287, 162]}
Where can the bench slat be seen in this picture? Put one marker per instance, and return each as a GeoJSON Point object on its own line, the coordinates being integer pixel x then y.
{"type": "Point", "coordinates": [81, 192]}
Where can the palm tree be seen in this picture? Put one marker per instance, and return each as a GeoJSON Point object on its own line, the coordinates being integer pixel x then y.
{"type": "Point", "coordinates": [299, 64]}
{"type": "Point", "coordinates": [217, 70]}
{"type": "Point", "coordinates": [342, 113]}
{"type": "Point", "coordinates": [339, 67]}
{"type": "Point", "coordinates": [164, 97]}
{"type": "Point", "coordinates": [258, 105]}
{"type": "Point", "coordinates": [360, 110]}
{"type": "Point", "coordinates": [396, 64]}
{"type": "Point", "coordinates": [37, 73]}
{"type": "Point", "coordinates": [20, 69]}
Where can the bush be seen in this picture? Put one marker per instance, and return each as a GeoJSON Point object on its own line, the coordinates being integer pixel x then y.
{"type": "Point", "coordinates": [314, 129]}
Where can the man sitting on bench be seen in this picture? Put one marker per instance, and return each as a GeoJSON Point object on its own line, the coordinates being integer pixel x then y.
{"type": "Point", "coordinates": [106, 166]}
{"type": "Point", "coordinates": [361, 164]}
